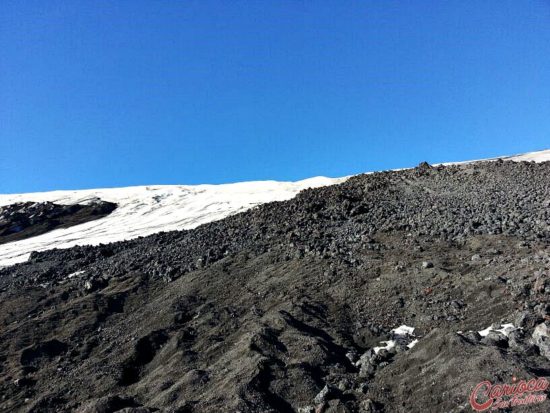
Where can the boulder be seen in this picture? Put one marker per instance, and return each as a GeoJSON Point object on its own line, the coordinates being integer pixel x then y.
{"type": "Point", "coordinates": [328, 392]}
{"type": "Point", "coordinates": [541, 339]}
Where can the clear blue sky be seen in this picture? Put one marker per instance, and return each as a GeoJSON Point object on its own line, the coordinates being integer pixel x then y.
{"type": "Point", "coordinates": [115, 93]}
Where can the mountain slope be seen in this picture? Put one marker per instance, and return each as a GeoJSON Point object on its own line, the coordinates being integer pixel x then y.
{"type": "Point", "coordinates": [146, 210]}
{"type": "Point", "coordinates": [150, 209]}
{"type": "Point", "coordinates": [297, 306]}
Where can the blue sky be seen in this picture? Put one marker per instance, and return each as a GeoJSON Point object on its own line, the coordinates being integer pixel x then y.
{"type": "Point", "coordinates": [117, 93]}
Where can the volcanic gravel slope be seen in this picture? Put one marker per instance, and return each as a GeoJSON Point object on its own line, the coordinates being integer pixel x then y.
{"type": "Point", "coordinates": [278, 309]}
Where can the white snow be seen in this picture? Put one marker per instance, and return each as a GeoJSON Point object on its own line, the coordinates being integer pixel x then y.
{"type": "Point", "coordinates": [485, 332]}
{"type": "Point", "coordinates": [412, 343]}
{"type": "Point", "coordinates": [504, 329]}
{"type": "Point", "coordinates": [539, 156]}
{"type": "Point", "coordinates": [400, 333]}
{"type": "Point", "coordinates": [75, 274]}
{"type": "Point", "coordinates": [144, 210]}
{"type": "Point", "coordinates": [403, 331]}
{"type": "Point", "coordinates": [388, 345]}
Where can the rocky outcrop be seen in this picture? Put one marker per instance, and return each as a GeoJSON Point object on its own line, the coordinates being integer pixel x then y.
{"type": "Point", "coordinates": [28, 219]}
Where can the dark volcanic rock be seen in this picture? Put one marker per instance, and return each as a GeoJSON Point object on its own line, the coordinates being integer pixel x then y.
{"type": "Point", "coordinates": [46, 350]}
{"type": "Point", "coordinates": [28, 219]}
{"type": "Point", "coordinates": [260, 311]}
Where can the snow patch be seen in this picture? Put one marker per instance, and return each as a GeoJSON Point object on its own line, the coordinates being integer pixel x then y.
{"type": "Point", "coordinates": [412, 343]}
{"type": "Point", "coordinates": [539, 156]}
{"type": "Point", "coordinates": [403, 331]}
{"type": "Point", "coordinates": [401, 334]}
{"type": "Point", "coordinates": [504, 329]}
{"type": "Point", "coordinates": [387, 346]}
{"type": "Point", "coordinates": [75, 274]}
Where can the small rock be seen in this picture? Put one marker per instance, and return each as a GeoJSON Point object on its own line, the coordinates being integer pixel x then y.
{"type": "Point", "coordinates": [382, 355]}
{"type": "Point", "coordinates": [399, 348]}
{"type": "Point", "coordinates": [472, 336]}
{"type": "Point", "coordinates": [495, 339]}
{"type": "Point", "coordinates": [543, 310]}
{"type": "Point", "coordinates": [365, 358]}
{"type": "Point", "coordinates": [475, 257]}
{"type": "Point", "coordinates": [363, 388]}
{"type": "Point", "coordinates": [328, 392]}
{"type": "Point", "coordinates": [352, 356]}
{"type": "Point", "coordinates": [516, 341]}
{"type": "Point", "coordinates": [336, 406]}
{"type": "Point", "coordinates": [423, 168]}
{"type": "Point", "coordinates": [540, 283]}
{"type": "Point", "coordinates": [526, 320]}
{"type": "Point", "coordinates": [94, 284]}
{"type": "Point", "coordinates": [541, 339]}
{"type": "Point", "coordinates": [344, 384]}
{"type": "Point", "coordinates": [367, 369]}
{"type": "Point", "coordinates": [427, 264]}
{"type": "Point", "coordinates": [367, 406]}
